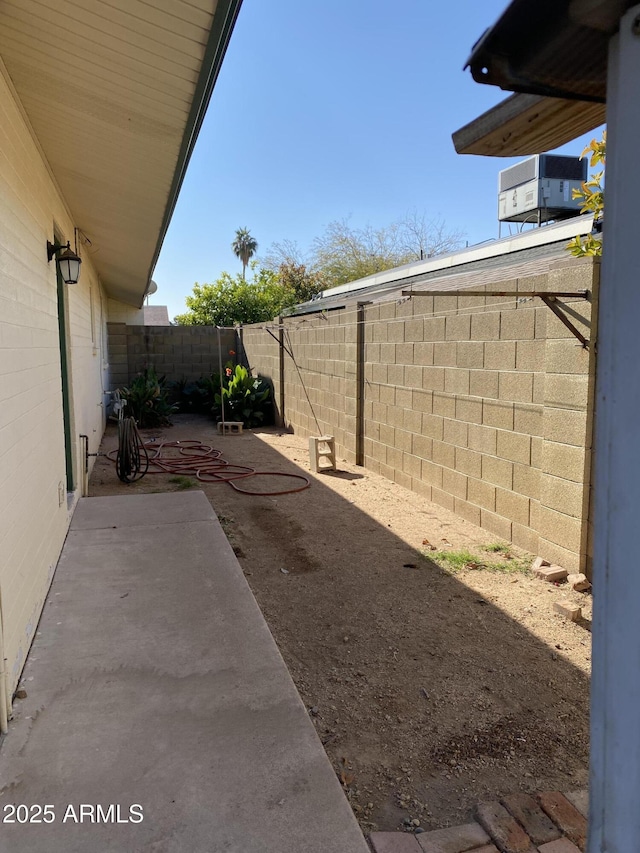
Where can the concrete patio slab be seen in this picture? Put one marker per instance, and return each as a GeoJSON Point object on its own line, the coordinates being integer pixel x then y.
{"type": "Point", "coordinates": [154, 682]}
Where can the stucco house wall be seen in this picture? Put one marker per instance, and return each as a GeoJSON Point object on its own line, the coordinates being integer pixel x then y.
{"type": "Point", "coordinates": [482, 404]}
{"type": "Point", "coordinates": [34, 505]}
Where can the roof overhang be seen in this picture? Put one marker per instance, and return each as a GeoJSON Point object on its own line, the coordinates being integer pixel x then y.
{"type": "Point", "coordinates": [116, 96]}
{"type": "Point", "coordinates": [528, 124]}
{"type": "Point", "coordinates": [555, 56]}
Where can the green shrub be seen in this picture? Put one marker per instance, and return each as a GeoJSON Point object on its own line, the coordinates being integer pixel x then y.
{"type": "Point", "coordinates": [148, 400]}
{"type": "Point", "coordinates": [244, 398]}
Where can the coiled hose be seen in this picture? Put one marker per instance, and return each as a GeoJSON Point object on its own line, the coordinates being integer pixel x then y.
{"type": "Point", "coordinates": [132, 459]}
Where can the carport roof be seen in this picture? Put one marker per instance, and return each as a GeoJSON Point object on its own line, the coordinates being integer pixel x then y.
{"type": "Point", "coordinates": [116, 93]}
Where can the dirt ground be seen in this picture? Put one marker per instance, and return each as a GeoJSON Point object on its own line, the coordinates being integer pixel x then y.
{"type": "Point", "coordinates": [430, 689]}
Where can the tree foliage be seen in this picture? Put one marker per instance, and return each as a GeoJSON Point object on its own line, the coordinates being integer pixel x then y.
{"type": "Point", "coordinates": [344, 253]}
{"type": "Point", "coordinates": [232, 299]}
{"type": "Point", "coordinates": [592, 195]}
{"type": "Point", "coordinates": [244, 247]}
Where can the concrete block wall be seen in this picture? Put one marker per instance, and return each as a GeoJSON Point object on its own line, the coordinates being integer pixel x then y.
{"type": "Point", "coordinates": [481, 404]}
{"type": "Point", "coordinates": [176, 352]}
{"type": "Point", "coordinates": [261, 354]}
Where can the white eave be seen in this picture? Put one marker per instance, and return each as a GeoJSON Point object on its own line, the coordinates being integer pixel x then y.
{"type": "Point", "coordinates": [115, 91]}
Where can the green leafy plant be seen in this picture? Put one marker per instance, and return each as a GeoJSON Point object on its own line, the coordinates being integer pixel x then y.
{"type": "Point", "coordinates": [592, 195]}
{"type": "Point", "coordinates": [147, 399]}
{"type": "Point", "coordinates": [244, 398]}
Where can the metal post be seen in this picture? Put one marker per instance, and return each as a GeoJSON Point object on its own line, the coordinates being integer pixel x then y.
{"type": "Point", "coordinates": [221, 379]}
{"type": "Point", "coordinates": [614, 817]}
{"type": "Point", "coordinates": [360, 387]}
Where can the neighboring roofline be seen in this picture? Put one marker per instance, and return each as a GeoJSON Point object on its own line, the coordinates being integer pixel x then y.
{"type": "Point", "coordinates": [527, 124]}
{"type": "Point", "coordinates": [573, 227]}
{"type": "Point", "coordinates": [224, 20]}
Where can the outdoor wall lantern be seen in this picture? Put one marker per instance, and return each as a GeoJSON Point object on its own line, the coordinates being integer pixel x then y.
{"type": "Point", "coordinates": [68, 262]}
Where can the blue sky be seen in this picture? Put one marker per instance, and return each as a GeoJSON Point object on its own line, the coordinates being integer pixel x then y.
{"type": "Point", "coordinates": [323, 111]}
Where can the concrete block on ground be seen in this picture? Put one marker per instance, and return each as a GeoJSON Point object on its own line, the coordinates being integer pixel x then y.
{"type": "Point", "coordinates": [568, 609]}
{"type": "Point", "coordinates": [503, 828]}
{"type": "Point", "coordinates": [538, 563]}
{"type": "Point", "coordinates": [454, 839]}
{"type": "Point", "coordinates": [539, 827]}
{"type": "Point", "coordinates": [579, 799]}
{"type": "Point", "coordinates": [566, 816]}
{"type": "Point", "coordinates": [551, 573]}
{"type": "Point", "coordinates": [394, 842]}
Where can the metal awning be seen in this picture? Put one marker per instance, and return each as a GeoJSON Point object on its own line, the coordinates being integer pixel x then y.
{"type": "Point", "coordinates": [116, 94]}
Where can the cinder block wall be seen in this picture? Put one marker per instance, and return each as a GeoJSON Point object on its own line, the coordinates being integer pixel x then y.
{"type": "Point", "coordinates": [260, 352]}
{"type": "Point", "coordinates": [175, 351]}
{"type": "Point", "coordinates": [481, 404]}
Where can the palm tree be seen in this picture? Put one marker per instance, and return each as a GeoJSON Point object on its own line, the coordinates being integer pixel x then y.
{"type": "Point", "coordinates": [244, 247]}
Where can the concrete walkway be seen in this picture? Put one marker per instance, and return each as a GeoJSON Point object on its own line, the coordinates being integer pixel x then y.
{"type": "Point", "coordinates": [154, 681]}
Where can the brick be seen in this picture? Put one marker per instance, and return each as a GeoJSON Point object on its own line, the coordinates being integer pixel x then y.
{"type": "Point", "coordinates": [517, 325]}
{"type": "Point", "coordinates": [433, 327]}
{"type": "Point", "coordinates": [413, 376]}
{"type": "Point", "coordinates": [562, 845]}
{"type": "Point", "coordinates": [566, 356]}
{"type": "Point", "coordinates": [414, 330]}
{"type": "Point", "coordinates": [514, 446]}
{"type": "Point", "coordinates": [497, 471]}
{"type": "Point", "coordinates": [524, 537]}
{"type": "Point", "coordinates": [484, 383]}
{"type": "Point", "coordinates": [469, 462]}
{"type": "Point", "coordinates": [579, 799]}
{"type": "Point", "coordinates": [485, 326]}
{"type": "Point", "coordinates": [404, 353]}
{"type": "Point", "coordinates": [497, 414]}
{"type": "Point", "coordinates": [482, 494]}
{"type": "Point", "coordinates": [538, 563]}
{"type": "Point", "coordinates": [538, 826]}
{"type": "Point", "coordinates": [496, 524]}
{"type": "Point", "coordinates": [566, 390]}
{"type": "Point", "coordinates": [564, 530]}
{"type": "Point", "coordinates": [454, 839]}
{"type": "Point", "coordinates": [504, 830]}
{"type": "Point", "coordinates": [530, 355]}
{"type": "Point", "coordinates": [458, 327]}
{"type": "Point", "coordinates": [432, 426]}
{"type": "Point", "coordinates": [526, 481]}
{"type": "Point", "coordinates": [483, 438]}
{"type": "Point", "coordinates": [394, 842]}
{"type": "Point", "coordinates": [443, 499]}
{"type": "Point", "coordinates": [516, 386]}
{"type": "Point", "coordinates": [467, 511]}
{"type": "Point", "coordinates": [512, 506]}
{"type": "Point", "coordinates": [455, 432]}
{"type": "Point", "coordinates": [500, 355]}
{"type": "Point", "coordinates": [571, 560]}
{"type": "Point", "coordinates": [470, 354]}
{"type": "Point", "coordinates": [566, 426]}
{"type": "Point", "coordinates": [528, 417]}
{"type": "Point", "coordinates": [551, 573]}
{"type": "Point", "coordinates": [423, 352]}
{"type": "Point", "coordinates": [445, 353]}
{"type": "Point", "coordinates": [456, 380]}
{"type": "Point", "coordinates": [422, 401]}
{"type": "Point", "coordinates": [568, 609]}
{"type": "Point", "coordinates": [578, 582]}
{"type": "Point", "coordinates": [444, 405]}
{"type": "Point", "coordinates": [564, 461]}
{"type": "Point", "coordinates": [469, 410]}
{"type": "Point", "coordinates": [564, 496]}
{"type": "Point", "coordinates": [433, 378]}
{"type": "Point", "coordinates": [455, 483]}
{"type": "Point", "coordinates": [566, 816]}
{"type": "Point", "coordinates": [444, 454]}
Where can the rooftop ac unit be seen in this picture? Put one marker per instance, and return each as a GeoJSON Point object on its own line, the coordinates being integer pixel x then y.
{"type": "Point", "coordinates": [539, 189]}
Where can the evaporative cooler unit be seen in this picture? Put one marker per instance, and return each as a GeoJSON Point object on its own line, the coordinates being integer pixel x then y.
{"type": "Point", "coordinates": [539, 189]}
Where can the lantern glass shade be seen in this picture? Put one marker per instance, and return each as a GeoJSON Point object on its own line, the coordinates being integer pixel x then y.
{"type": "Point", "coordinates": [69, 266]}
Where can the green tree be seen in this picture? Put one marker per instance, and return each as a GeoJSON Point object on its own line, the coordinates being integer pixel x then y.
{"type": "Point", "coordinates": [231, 299]}
{"type": "Point", "coordinates": [244, 247]}
{"type": "Point", "coordinates": [592, 195]}
{"type": "Point", "coordinates": [300, 283]}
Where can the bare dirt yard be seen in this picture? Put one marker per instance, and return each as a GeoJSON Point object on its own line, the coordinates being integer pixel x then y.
{"type": "Point", "coordinates": [431, 686]}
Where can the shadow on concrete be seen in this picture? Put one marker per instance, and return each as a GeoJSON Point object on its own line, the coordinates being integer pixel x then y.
{"type": "Point", "coordinates": [433, 696]}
